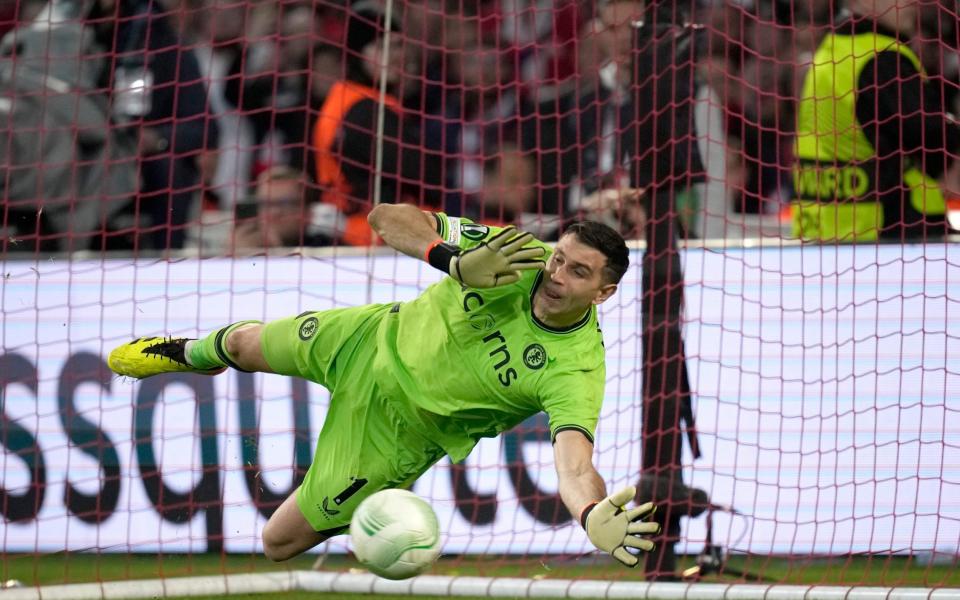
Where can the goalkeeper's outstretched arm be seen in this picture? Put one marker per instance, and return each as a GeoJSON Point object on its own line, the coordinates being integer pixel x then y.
{"type": "Point", "coordinates": [610, 526]}
{"type": "Point", "coordinates": [404, 227]}
{"type": "Point", "coordinates": [497, 261]}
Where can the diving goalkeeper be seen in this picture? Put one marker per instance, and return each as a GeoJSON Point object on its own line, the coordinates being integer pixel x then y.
{"type": "Point", "coordinates": [511, 332]}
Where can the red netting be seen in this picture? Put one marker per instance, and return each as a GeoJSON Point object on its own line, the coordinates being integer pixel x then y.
{"type": "Point", "coordinates": [155, 154]}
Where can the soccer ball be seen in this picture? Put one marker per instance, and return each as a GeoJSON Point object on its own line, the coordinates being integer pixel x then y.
{"type": "Point", "coordinates": [395, 534]}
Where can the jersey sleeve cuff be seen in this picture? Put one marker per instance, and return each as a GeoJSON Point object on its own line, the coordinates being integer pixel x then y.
{"type": "Point", "coordinates": [440, 224]}
{"type": "Point", "coordinates": [448, 228]}
{"type": "Point", "coordinates": [586, 433]}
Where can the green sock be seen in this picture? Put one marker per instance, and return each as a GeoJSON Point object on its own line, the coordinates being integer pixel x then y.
{"type": "Point", "coordinates": [210, 352]}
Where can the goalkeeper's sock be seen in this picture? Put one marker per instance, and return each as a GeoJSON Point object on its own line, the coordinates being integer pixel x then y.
{"type": "Point", "coordinates": [210, 352]}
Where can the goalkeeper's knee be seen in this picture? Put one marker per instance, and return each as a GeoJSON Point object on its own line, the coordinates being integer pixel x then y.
{"type": "Point", "coordinates": [242, 343]}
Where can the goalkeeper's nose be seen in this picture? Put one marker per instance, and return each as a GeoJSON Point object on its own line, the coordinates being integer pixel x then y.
{"type": "Point", "coordinates": [554, 274]}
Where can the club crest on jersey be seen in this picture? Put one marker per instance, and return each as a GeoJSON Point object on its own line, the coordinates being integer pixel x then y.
{"type": "Point", "coordinates": [534, 356]}
{"type": "Point", "coordinates": [308, 328]}
{"type": "Point", "coordinates": [474, 231]}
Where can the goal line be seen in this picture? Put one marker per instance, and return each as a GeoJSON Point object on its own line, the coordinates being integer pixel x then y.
{"type": "Point", "coordinates": [443, 586]}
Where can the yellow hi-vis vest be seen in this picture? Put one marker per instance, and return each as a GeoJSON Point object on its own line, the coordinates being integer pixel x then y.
{"type": "Point", "coordinates": [835, 175]}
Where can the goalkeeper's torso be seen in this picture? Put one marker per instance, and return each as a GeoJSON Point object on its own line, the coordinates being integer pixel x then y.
{"type": "Point", "coordinates": [469, 363]}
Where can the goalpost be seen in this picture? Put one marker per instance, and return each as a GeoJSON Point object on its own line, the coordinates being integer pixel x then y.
{"type": "Point", "coordinates": [821, 377]}
{"type": "Point", "coordinates": [452, 587]}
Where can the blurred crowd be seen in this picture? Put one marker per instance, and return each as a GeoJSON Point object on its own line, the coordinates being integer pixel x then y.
{"type": "Point", "coordinates": [237, 125]}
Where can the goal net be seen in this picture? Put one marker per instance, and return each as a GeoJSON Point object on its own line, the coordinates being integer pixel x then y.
{"type": "Point", "coordinates": [170, 166]}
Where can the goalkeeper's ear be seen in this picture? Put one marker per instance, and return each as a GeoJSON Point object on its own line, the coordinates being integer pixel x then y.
{"type": "Point", "coordinates": [605, 292]}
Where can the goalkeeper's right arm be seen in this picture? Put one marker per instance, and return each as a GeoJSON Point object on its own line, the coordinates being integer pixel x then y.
{"type": "Point", "coordinates": [498, 261]}
{"type": "Point", "coordinates": [610, 526]}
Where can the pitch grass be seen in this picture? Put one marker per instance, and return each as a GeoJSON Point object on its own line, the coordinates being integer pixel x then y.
{"type": "Point", "coordinates": [889, 571]}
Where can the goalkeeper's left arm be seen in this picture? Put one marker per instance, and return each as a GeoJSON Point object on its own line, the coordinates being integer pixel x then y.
{"type": "Point", "coordinates": [498, 261]}
{"type": "Point", "coordinates": [610, 526]}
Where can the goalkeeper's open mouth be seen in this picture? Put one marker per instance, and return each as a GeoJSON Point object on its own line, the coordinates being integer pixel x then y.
{"type": "Point", "coordinates": [551, 294]}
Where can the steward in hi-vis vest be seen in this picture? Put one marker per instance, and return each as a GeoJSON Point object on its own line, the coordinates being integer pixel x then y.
{"type": "Point", "coordinates": [345, 134]}
{"type": "Point", "coordinates": [349, 187]}
{"type": "Point", "coordinates": [871, 138]}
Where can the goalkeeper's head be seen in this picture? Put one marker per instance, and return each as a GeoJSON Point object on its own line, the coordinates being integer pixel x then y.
{"type": "Point", "coordinates": [585, 268]}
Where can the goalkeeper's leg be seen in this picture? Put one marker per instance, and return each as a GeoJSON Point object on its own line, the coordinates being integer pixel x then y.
{"type": "Point", "coordinates": [301, 346]}
{"type": "Point", "coordinates": [236, 346]}
{"type": "Point", "coordinates": [288, 533]}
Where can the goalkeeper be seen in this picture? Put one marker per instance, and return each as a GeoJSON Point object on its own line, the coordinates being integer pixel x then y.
{"type": "Point", "coordinates": [511, 332]}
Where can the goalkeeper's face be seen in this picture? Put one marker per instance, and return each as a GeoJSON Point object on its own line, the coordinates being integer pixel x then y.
{"type": "Point", "coordinates": [573, 281]}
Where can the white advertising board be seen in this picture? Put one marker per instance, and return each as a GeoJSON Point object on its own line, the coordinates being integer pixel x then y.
{"type": "Point", "coordinates": [826, 384]}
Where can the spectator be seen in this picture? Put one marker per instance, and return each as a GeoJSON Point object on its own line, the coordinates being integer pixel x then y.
{"type": "Point", "coordinates": [763, 123]}
{"type": "Point", "coordinates": [508, 194]}
{"type": "Point", "coordinates": [473, 101]}
{"type": "Point", "coordinates": [509, 186]}
{"type": "Point", "coordinates": [620, 208]}
{"type": "Point", "coordinates": [744, 115]}
{"type": "Point", "coordinates": [807, 22]}
{"type": "Point", "coordinates": [326, 69]}
{"type": "Point", "coordinates": [871, 171]}
{"type": "Point", "coordinates": [424, 22]}
{"type": "Point", "coordinates": [277, 88]}
{"type": "Point", "coordinates": [713, 220]}
{"type": "Point", "coordinates": [279, 214]}
{"type": "Point", "coordinates": [751, 73]}
{"type": "Point", "coordinates": [938, 46]}
{"type": "Point", "coordinates": [543, 34]}
{"type": "Point", "coordinates": [446, 91]}
{"type": "Point", "coordinates": [66, 171]}
{"type": "Point", "coordinates": [579, 133]}
{"type": "Point", "coordinates": [159, 92]}
{"type": "Point", "coordinates": [217, 31]}
{"type": "Point", "coordinates": [345, 134]}
{"type": "Point", "coordinates": [14, 13]}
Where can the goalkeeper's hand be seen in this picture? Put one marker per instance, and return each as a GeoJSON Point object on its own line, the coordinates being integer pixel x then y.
{"type": "Point", "coordinates": [613, 529]}
{"type": "Point", "coordinates": [498, 261]}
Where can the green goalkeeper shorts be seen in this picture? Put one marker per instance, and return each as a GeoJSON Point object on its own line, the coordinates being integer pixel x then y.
{"type": "Point", "coordinates": [364, 445]}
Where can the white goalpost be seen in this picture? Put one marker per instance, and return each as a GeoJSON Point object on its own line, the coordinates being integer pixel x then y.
{"type": "Point", "coordinates": [453, 587]}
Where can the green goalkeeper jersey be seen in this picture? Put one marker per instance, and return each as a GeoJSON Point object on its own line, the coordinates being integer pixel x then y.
{"type": "Point", "coordinates": [469, 363]}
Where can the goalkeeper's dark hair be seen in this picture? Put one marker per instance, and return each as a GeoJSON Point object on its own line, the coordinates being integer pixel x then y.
{"type": "Point", "coordinates": [606, 240]}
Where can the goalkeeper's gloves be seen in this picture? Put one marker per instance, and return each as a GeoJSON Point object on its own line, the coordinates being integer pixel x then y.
{"type": "Point", "coordinates": [498, 261]}
{"type": "Point", "coordinates": [613, 529]}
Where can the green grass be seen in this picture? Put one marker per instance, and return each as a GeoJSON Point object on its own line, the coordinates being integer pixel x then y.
{"type": "Point", "coordinates": [47, 569]}
{"type": "Point", "coordinates": [312, 596]}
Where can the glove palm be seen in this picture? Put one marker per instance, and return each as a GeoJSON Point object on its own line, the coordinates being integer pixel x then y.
{"type": "Point", "coordinates": [613, 529]}
{"type": "Point", "coordinates": [497, 261]}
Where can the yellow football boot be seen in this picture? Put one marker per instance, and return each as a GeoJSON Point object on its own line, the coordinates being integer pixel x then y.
{"type": "Point", "coordinates": [145, 357]}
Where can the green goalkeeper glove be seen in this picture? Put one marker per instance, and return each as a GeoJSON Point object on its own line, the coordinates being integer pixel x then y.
{"type": "Point", "coordinates": [498, 261]}
{"type": "Point", "coordinates": [613, 529]}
